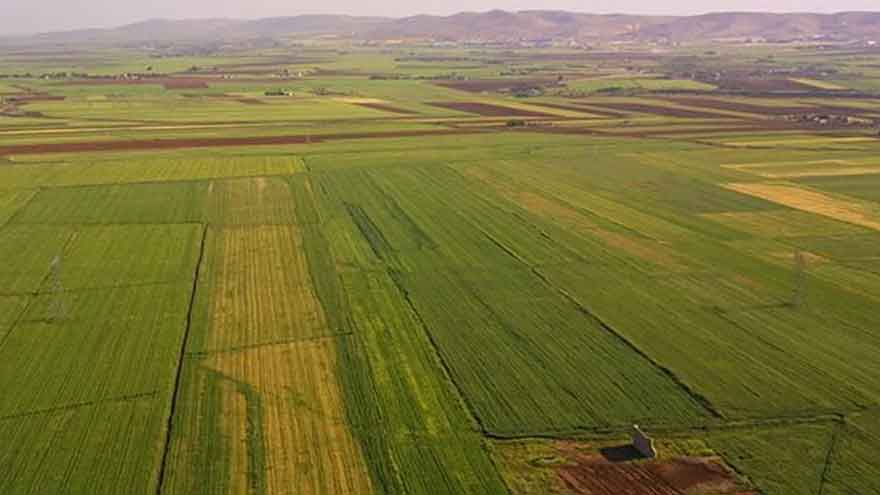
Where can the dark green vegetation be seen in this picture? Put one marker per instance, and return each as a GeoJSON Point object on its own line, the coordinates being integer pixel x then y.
{"type": "Point", "coordinates": [353, 289]}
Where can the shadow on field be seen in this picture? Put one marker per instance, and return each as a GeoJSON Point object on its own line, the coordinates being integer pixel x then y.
{"type": "Point", "coordinates": [621, 453]}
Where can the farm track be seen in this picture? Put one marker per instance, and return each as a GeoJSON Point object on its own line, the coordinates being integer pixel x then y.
{"type": "Point", "coordinates": [169, 427]}
{"type": "Point", "coordinates": [76, 290]}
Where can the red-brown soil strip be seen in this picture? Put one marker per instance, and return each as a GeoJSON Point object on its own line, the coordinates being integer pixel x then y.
{"type": "Point", "coordinates": [573, 108]}
{"type": "Point", "coordinates": [181, 83]}
{"type": "Point", "coordinates": [165, 144]}
{"type": "Point", "coordinates": [738, 106]}
{"type": "Point", "coordinates": [658, 110]}
{"type": "Point", "coordinates": [595, 475]}
{"type": "Point", "coordinates": [487, 110]}
{"type": "Point", "coordinates": [493, 85]}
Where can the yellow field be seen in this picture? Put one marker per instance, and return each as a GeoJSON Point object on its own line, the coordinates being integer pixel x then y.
{"type": "Point", "coordinates": [846, 210]}
{"type": "Point", "coordinates": [308, 447]}
{"type": "Point", "coordinates": [814, 168]}
{"type": "Point", "coordinates": [262, 292]}
{"type": "Point", "coordinates": [251, 201]}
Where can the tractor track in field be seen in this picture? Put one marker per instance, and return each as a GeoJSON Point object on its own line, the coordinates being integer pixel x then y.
{"type": "Point", "coordinates": [829, 454]}
{"type": "Point", "coordinates": [166, 449]}
{"type": "Point", "coordinates": [77, 405]}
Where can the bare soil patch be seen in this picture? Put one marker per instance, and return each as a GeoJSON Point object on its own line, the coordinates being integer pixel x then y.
{"type": "Point", "coordinates": [593, 474]}
{"type": "Point", "coordinates": [573, 108]}
{"type": "Point", "coordinates": [181, 83]}
{"type": "Point", "coordinates": [659, 110]}
{"type": "Point", "coordinates": [739, 106]}
{"type": "Point", "coordinates": [494, 85]}
{"type": "Point", "coordinates": [487, 109]}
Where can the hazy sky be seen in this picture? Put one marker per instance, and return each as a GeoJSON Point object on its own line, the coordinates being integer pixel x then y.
{"type": "Point", "coordinates": [24, 16]}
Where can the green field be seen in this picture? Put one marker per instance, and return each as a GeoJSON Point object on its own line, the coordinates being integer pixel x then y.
{"type": "Point", "coordinates": [389, 282]}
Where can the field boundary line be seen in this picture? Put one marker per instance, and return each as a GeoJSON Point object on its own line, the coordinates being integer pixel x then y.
{"type": "Point", "coordinates": [184, 341]}
{"type": "Point", "coordinates": [693, 394]}
{"type": "Point", "coordinates": [77, 405]}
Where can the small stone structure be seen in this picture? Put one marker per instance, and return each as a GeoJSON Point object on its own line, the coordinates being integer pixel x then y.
{"type": "Point", "coordinates": [643, 443]}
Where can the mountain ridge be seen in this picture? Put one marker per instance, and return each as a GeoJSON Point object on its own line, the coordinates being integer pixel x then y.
{"type": "Point", "coordinates": [498, 25]}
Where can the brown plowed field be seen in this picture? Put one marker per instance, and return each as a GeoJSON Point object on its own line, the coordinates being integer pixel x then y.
{"type": "Point", "coordinates": [160, 144]}
{"type": "Point", "coordinates": [738, 106]}
{"type": "Point", "coordinates": [175, 83]}
{"type": "Point", "coordinates": [491, 85]}
{"type": "Point", "coordinates": [658, 110]}
{"type": "Point", "coordinates": [595, 475]}
{"type": "Point", "coordinates": [487, 110]}
{"type": "Point", "coordinates": [573, 108]}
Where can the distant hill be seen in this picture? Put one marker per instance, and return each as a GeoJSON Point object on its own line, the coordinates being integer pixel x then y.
{"type": "Point", "coordinates": [498, 25]}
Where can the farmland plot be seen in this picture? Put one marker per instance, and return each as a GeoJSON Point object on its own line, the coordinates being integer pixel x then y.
{"type": "Point", "coordinates": [268, 419]}
{"type": "Point", "coordinates": [415, 430]}
{"type": "Point", "coordinates": [759, 379]}
{"type": "Point", "coordinates": [11, 202]}
{"type": "Point", "coordinates": [10, 309]}
{"type": "Point", "coordinates": [169, 169]}
{"type": "Point", "coordinates": [27, 252]}
{"type": "Point", "coordinates": [865, 187]}
{"type": "Point", "coordinates": [852, 211]}
{"type": "Point", "coordinates": [112, 447]}
{"type": "Point", "coordinates": [15, 176]}
{"type": "Point", "coordinates": [102, 345]}
{"type": "Point", "coordinates": [256, 289]}
{"type": "Point", "coordinates": [538, 348]}
{"type": "Point", "coordinates": [413, 427]}
{"type": "Point", "coordinates": [256, 201]}
{"type": "Point", "coordinates": [536, 383]}
{"type": "Point", "coordinates": [853, 468]}
{"type": "Point", "coordinates": [108, 256]}
{"type": "Point", "coordinates": [178, 202]}
{"type": "Point", "coordinates": [781, 459]}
